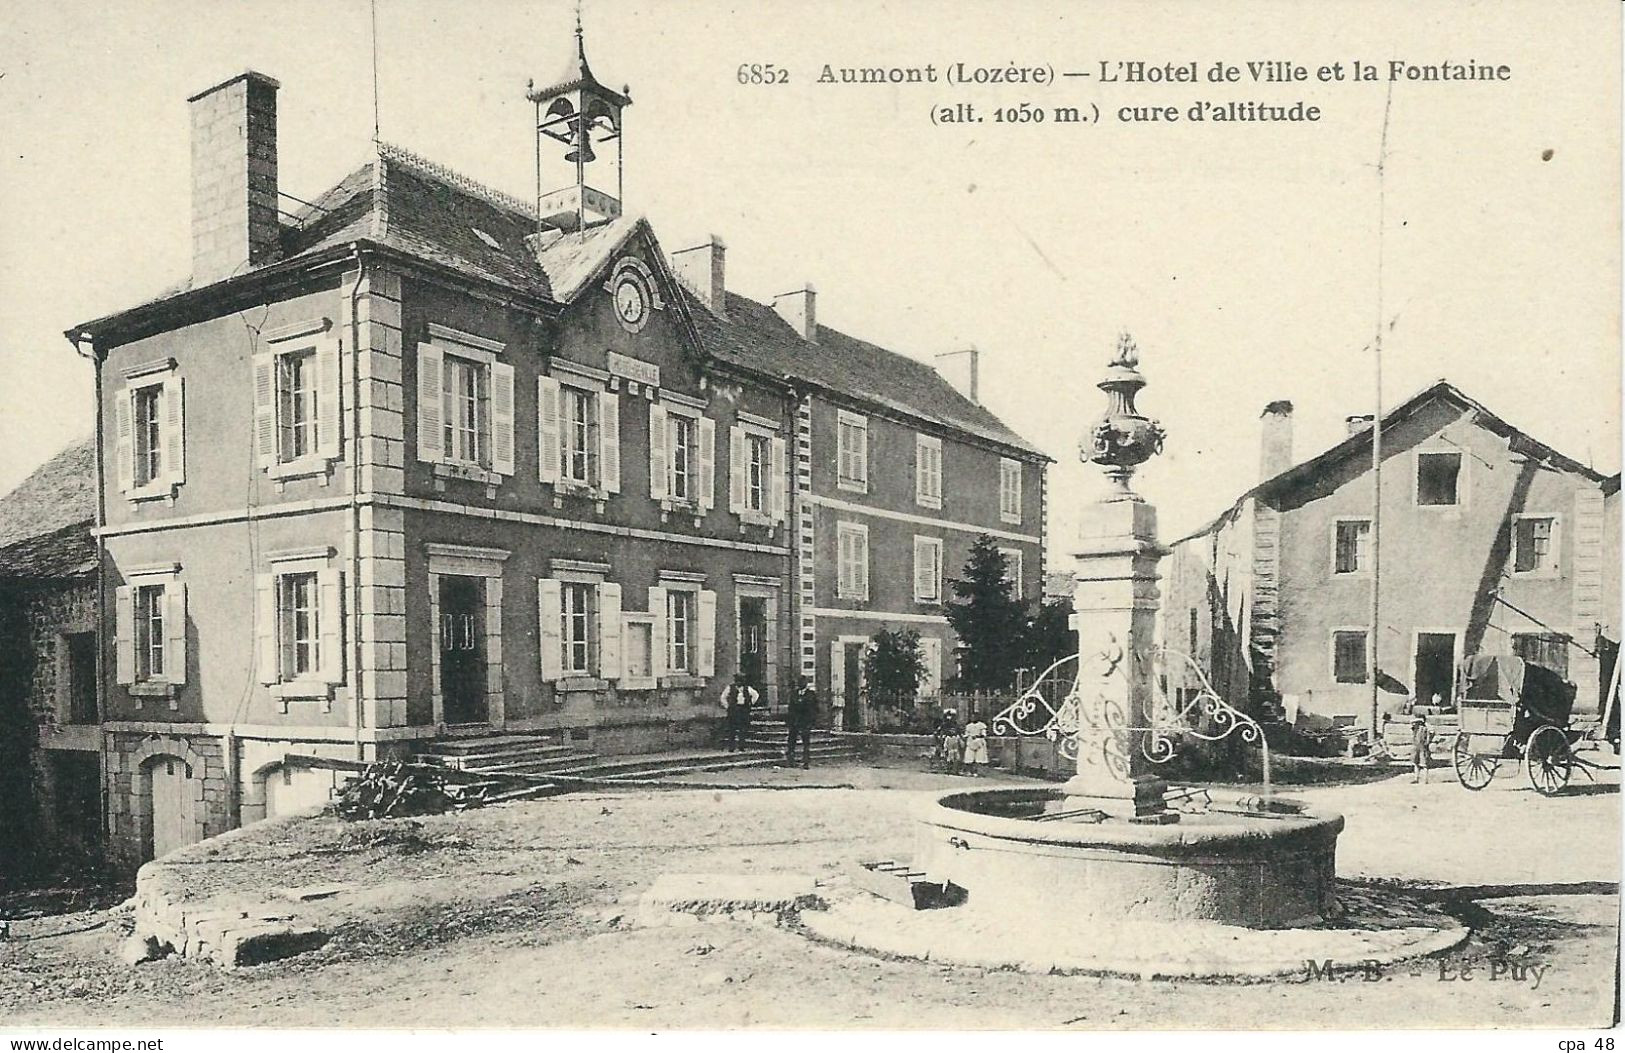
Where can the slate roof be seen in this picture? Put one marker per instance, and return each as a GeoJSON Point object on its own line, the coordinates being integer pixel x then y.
{"type": "Point", "coordinates": [401, 201]}
{"type": "Point", "coordinates": [755, 336]}
{"type": "Point", "coordinates": [1359, 445]}
{"type": "Point", "coordinates": [45, 522]}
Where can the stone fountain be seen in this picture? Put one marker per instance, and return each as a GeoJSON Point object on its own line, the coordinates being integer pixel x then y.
{"type": "Point", "coordinates": [1113, 843]}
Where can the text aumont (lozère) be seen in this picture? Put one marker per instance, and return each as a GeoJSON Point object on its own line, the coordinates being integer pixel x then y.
{"type": "Point", "coordinates": [1136, 71]}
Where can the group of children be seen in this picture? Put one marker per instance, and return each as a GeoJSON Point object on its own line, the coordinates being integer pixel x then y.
{"type": "Point", "coordinates": [959, 748]}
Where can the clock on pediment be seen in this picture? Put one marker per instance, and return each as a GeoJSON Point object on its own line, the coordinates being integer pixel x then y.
{"type": "Point", "coordinates": [633, 293]}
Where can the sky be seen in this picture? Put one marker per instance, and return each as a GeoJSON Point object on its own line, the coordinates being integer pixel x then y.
{"type": "Point", "coordinates": [1242, 257]}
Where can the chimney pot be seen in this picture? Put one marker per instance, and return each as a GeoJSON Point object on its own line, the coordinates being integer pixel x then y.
{"type": "Point", "coordinates": [1275, 446]}
{"type": "Point", "coordinates": [703, 268]}
{"type": "Point", "coordinates": [234, 176]}
{"type": "Point", "coordinates": [800, 309]}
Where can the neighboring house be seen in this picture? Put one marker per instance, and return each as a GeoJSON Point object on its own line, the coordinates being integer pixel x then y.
{"type": "Point", "coordinates": [429, 461]}
{"type": "Point", "coordinates": [50, 739]}
{"type": "Point", "coordinates": [1490, 542]}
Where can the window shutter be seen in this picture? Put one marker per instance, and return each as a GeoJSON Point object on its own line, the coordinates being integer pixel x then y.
{"type": "Point", "coordinates": [708, 463]}
{"type": "Point", "coordinates": [861, 541]}
{"type": "Point", "coordinates": [738, 468]}
{"type": "Point", "coordinates": [123, 441]}
{"type": "Point", "coordinates": [330, 623]}
{"type": "Point", "coordinates": [175, 632]}
{"type": "Point", "coordinates": [922, 569]}
{"type": "Point", "coordinates": [708, 633]}
{"type": "Point", "coordinates": [328, 399]}
{"type": "Point", "coordinates": [922, 492]}
{"type": "Point", "coordinates": [659, 660]}
{"type": "Point", "coordinates": [265, 628]}
{"type": "Point", "coordinates": [837, 670]}
{"type": "Point", "coordinates": [431, 365]}
{"type": "Point", "coordinates": [501, 418]}
{"type": "Point", "coordinates": [265, 409]}
{"type": "Point", "coordinates": [609, 442]}
{"type": "Point", "coordinates": [124, 632]}
{"type": "Point", "coordinates": [548, 450]}
{"type": "Point", "coordinates": [1016, 498]}
{"type": "Point", "coordinates": [174, 431]}
{"type": "Point", "coordinates": [659, 459]}
{"type": "Point", "coordinates": [609, 631]}
{"type": "Point", "coordinates": [779, 479]}
{"type": "Point", "coordinates": [548, 614]}
{"type": "Point", "coordinates": [931, 656]}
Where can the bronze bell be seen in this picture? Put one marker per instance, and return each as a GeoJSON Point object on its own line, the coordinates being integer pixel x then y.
{"type": "Point", "coordinates": [583, 151]}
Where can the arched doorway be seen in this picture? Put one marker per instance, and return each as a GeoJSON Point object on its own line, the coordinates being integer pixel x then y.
{"type": "Point", "coordinates": [173, 794]}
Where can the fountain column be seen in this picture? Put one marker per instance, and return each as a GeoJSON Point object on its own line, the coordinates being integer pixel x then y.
{"type": "Point", "coordinates": [1115, 600]}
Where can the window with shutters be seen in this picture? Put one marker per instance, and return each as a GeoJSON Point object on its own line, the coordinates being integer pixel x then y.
{"type": "Point", "coordinates": [928, 569]}
{"type": "Point", "coordinates": [684, 452]}
{"type": "Point", "coordinates": [1535, 546]}
{"type": "Point", "coordinates": [681, 618]}
{"type": "Point", "coordinates": [1349, 656]}
{"type": "Point", "coordinates": [299, 623]}
{"type": "Point", "coordinates": [296, 405]}
{"type": "Point", "coordinates": [462, 402]}
{"type": "Point", "coordinates": [928, 471]}
{"type": "Point", "coordinates": [758, 465]}
{"type": "Point", "coordinates": [580, 436]}
{"type": "Point", "coordinates": [465, 407]}
{"type": "Point", "coordinates": [1009, 490]}
{"type": "Point", "coordinates": [575, 627]}
{"type": "Point", "coordinates": [852, 453]}
{"type": "Point", "coordinates": [296, 400]}
{"type": "Point", "coordinates": [682, 467]}
{"type": "Point", "coordinates": [149, 431]}
{"type": "Point", "coordinates": [149, 632]}
{"type": "Point", "coordinates": [756, 473]}
{"type": "Point", "coordinates": [1012, 571]}
{"type": "Point", "coordinates": [852, 563]}
{"type": "Point", "coordinates": [1350, 542]}
{"type": "Point", "coordinates": [296, 624]}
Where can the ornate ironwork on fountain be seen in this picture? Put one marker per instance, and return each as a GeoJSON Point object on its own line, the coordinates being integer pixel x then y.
{"type": "Point", "coordinates": [1123, 438]}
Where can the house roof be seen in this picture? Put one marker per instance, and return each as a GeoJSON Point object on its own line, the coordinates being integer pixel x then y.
{"type": "Point", "coordinates": [754, 336]}
{"type": "Point", "coordinates": [45, 521]}
{"type": "Point", "coordinates": [406, 203]}
{"type": "Point", "coordinates": [1359, 445]}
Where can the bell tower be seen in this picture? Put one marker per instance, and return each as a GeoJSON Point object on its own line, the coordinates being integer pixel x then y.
{"type": "Point", "coordinates": [585, 116]}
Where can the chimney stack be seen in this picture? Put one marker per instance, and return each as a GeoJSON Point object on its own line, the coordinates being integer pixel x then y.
{"type": "Point", "coordinates": [1358, 422]}
{"type": "Point", "coordinates": [234, 187]}
{"type": "Point", "coordinates": [971, 385]}
{"type": "Point", "coordinates": [703, 268]}
{"type": "Point", "coordinates": [1275, 446]}
{"type": "Point", "coordinates": [800, 309]}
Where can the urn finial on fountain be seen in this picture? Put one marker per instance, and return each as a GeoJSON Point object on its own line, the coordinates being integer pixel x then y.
{"type": "Point", "coordinates": [1123, 438]}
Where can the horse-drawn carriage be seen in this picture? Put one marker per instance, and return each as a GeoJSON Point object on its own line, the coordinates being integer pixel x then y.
{"type": "Point", "coordinates": [1513, 710]}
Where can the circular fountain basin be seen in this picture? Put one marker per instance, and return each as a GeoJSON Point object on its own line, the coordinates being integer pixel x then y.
{"type": "Point", "coordinates": [1263, 863]}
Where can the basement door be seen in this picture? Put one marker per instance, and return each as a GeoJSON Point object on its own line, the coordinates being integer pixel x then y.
{"type": "Point", "coordinates": [462, 649]}
{"type": "Point", "coordinates": [1435, 667]}
{"type": "Point", "coordinates": [172, 805]}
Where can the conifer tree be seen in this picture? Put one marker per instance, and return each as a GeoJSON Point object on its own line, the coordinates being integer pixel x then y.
{"type": "Point", "coordinates": [990, 622]}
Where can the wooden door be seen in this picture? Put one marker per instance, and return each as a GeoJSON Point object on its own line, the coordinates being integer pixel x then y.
{"type": "Point", "coordinates": [462, 649]}
{"type": "Point", "coordinates": [753, 641]}
{"type": "Point", "coordinates": [172, 805]}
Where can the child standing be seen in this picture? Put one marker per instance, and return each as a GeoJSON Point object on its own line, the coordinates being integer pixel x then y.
{"type": "Point", "coordinates": [1421, 746]}
{"type": "Point", "coordinates": [975, 744]}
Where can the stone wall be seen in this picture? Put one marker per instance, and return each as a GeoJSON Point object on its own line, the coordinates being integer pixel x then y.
{"type": "Point", "coordinates": [205, 807]}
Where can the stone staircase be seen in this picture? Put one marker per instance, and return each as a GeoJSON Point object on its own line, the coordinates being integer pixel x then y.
{"type": "Point", "coordinates": [516, 767]}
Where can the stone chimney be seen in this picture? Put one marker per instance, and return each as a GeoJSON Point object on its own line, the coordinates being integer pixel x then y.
{"type": "Point", "coordinates": [234, 189]}
{"type": "Point", "coordinates": [703, 268]}
{"type": "Point", "coordinates": [800, 309]}
{"type": "Point", "coordinates": [968, 380]}
{"type": "Point", "coordinates": [1358, 422]}
{"type": "Point", "coordinates": [1275, 446]}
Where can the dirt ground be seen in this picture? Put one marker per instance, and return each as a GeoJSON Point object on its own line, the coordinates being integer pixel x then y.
{"type": "Point", "coordinates": [515, 916]}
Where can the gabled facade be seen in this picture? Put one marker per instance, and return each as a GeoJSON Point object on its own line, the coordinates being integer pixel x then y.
{"type": "Point", "coordinates": [1490, 542]}
{"type": "Point", "coordinates": [429, 461]}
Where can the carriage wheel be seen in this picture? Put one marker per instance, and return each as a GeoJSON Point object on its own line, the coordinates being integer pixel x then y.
{"type": "Point", "coordinates": [1473, 770]}
{"type": "Point", "coordinates": [1549, 759]}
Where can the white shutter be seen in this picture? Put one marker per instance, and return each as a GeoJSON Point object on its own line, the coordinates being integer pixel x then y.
{"type": "Point", "coordinates": [501, 418]}
{"type": "Point", "coordinates": [921, 491]}
{"type": "Point", "coordinates": [931, 655]}
{"type": "Point", "coordinates": [328, 398]}
{"type": "Point", "coordinates": [922, 569]}
{"type": "Point", "coordinates": [431, 365]}
{"type": "Point", "coordinates": [265, 628]}
{"type": "Point", "coordinates": [1017, 495]}
{"type": "Point", "coordinates": [708, 463]}
{"type": "Point", "coordinates": [609, 631]}
{"type": "Point", "coordinates": [124, 633]}
{"type": "Point", "coordinates": [708, 633]}
{"type": "Point", "coordinates": [175, 632]}
{"type": "Point", "coordinates": [548, 450]}
{"type": "Point", "coordinates": [738, 468]}
{"type": "Point", "coordinates": [609, 442]}
{"type": "Point", "coordinates": [659, 454]}
{"type": "Point", "coordinates": [123, 441]}
{"type": "Point", "coordinates": [265, 410]}
{"type": "Point", "coordinates": [330, 623]}
{"type": "Point", "coordinates": [659, 660]}
{"type": "Point", "coordinates": [174, 431]}
{"type": "Point", "coordinates": [861, 542]}
{"type": "Point", "coordinates": [779, 478]}
{"type": "Point", "coordinates": [549, 634]}
{"type": "Point", "coordinates": [837, 670]}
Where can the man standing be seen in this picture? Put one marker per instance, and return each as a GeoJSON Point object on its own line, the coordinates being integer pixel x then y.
{"type": "Point", "coordinates": [737, 701]}
{"type": "Point", "coordinates": [803, 711]}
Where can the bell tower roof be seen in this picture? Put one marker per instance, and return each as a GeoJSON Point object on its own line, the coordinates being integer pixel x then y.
{"type": "Point", "coordinates": [577, 75]}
